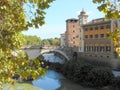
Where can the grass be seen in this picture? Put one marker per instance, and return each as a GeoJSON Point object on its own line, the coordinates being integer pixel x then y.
{"type": "Point", "coordinates": [20, 86]}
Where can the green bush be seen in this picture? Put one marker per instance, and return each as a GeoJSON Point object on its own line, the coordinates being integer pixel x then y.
{"type": "Point", "coordinates": [68, 69]}
{"type": "Point", "coordinates": [116, 82]}
{"type": "Point", "coordinates": [99, 77]}
{"type": "Point", "coordinates": [81, 72]}
{"type": "Point", "coordinates": [87, 74]}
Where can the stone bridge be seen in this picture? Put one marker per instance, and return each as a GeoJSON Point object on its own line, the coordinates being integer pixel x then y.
{"type": "Point", "coordinates": [36, 51]}
{"type": "Point", "coordinates": [57, 52]}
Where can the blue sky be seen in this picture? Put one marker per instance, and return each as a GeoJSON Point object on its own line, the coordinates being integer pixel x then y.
{"type": "Point", "coordinates": [59, 12]}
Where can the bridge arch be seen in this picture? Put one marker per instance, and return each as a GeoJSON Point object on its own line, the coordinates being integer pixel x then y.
{"type": "Point", "coordinates": [57, 52]}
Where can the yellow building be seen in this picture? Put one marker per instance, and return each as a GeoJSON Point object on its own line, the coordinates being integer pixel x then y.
{"type": "Point", "coordinates": [96, 37]}
{"type": "Point", "coordinates": [91, 37]}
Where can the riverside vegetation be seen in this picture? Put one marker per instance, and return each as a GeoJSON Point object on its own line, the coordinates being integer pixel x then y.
{"type": "Point", "coordinates": [95, 74]}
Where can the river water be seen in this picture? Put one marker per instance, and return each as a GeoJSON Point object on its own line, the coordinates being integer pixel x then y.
{"type": "Point", "coordinates": [51, 81]}
{"type": "Point", "coordinates": [54, 80]}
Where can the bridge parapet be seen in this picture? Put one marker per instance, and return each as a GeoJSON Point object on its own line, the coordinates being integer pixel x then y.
{"type": "Point", "coordinates": [63, 54]}
{"type": "Point", "coordinates": [34, 52]}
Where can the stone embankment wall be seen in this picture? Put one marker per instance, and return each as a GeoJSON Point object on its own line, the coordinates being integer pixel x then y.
{"type": "Point", "coordinates": [99, 56]}
{"type": "Point", "coordinates": [102, 57]}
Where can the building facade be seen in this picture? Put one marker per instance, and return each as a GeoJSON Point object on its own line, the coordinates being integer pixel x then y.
{"type": "Point", "coordinates": [83, 19]}
{"type": "Point", "coordinates": [63, 40]}
{"type": "Point", "coordinates": [96, 37]}
{"type": "Point", "coordinates": [91, 37]}
{"type": "Point", "coordinates": [72, 32]}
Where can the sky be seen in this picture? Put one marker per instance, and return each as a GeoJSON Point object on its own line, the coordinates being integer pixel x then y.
{"type": "Point", "coordinates": [59, 12]}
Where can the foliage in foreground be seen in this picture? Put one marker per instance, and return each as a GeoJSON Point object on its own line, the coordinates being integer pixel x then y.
{"type": "Point", "coordinates": [109, 7]}
{"type": "Point", "coordinates": [15, 17]}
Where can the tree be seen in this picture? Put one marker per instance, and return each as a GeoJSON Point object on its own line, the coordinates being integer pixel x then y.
{"type": "Point", "coordinates": [32, 40]}
{"type": "Point", "coordinates": [51, 42]}
{"type": "Point", "coordinates": [111, 9]}
{"type": "Point", "coordinates": [45, 42]}
{"type": "Point", "coordinates": [15, 17]}
{"type": "Point", "coordinates": [56, 41]}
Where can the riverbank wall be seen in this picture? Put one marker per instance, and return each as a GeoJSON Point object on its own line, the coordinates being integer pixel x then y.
{"type": "Point", "coordinates": [105, 57]}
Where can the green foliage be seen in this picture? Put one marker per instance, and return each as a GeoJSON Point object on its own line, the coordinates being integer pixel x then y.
{"type": "Point", "coordinates": [15, 17]}
{"type": "Point", "coordinates": [99, 77]}
{"type": "Point", "coordinates": [116, 82]}
{"type": "Point", "coordinates": [51, 42]}
{"type": "Point", "coordinates": [32, 40]}
{"type": "Point", "coordinates": [87, 74]}
{"type": "Point", "coordinates": [45, 42]}
{"type": "Point", "coordinates": [109, 7]}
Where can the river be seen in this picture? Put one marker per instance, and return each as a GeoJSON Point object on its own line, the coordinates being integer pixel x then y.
{"type": "Point", "coordinates": [54, 80]}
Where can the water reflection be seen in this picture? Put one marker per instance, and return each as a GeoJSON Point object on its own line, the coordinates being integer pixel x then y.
{"type": "Point", "coordinates": [52, 58]}
{"type": "Point", "coordinates": [116, 73]}
{"type": "Point", "coordinates": [55, 81]}
{"type": "Point", "coordinates": [51, 81]}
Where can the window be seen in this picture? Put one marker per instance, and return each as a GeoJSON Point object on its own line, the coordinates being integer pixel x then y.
{"type": "Point", "coordinates": [107, 35]}
{"type": "Point", "coordinates": [77, 36]}
{"type": "Point", "coordinates": [89, 48]}
{"type": "Point", "coordinates": [96, 27]}
{"type": "Point", "coordinates": [73, 42]}
{"type": "Point", "coordinates": [108, 48]}
{"type": "Point", "coordinates": [107, 26]}
{"type": "Point", "coordinates": [86, 29]}
{"type": "Point", "coordinates": [102, 35]}
{"type": "Point", "coordinates": [73, 37]}
{"type": "Point", "coordinates": [92, 48]}
{"type": "Point", "coordinates": [101, 48]}
{"type": "Point", "coordinates": [95, 48]}
{"type": "Point", "coordinates": [86, 36]}
{"type": "Point", "coordinates": [85, 48]}
{"type": "Point", "coordinates": [91, 36]}
{"type": "Point", "coordinates": [101, 27]}
{"type": "Point", "coordinates": [96, 35]}
{"type": "Point", "coordinates": [91, 28]}
{"type": "Point", "coordinates": [73, 26]}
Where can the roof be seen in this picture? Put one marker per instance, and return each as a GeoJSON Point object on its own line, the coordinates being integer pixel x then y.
{"type": "Point", "coordinates": [72, 19]}
{"type": "Point", "coordinates": [97, 21]}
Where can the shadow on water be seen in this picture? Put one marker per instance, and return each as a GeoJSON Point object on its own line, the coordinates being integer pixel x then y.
{"type": "Point", "coordinates": [51, 81]}
{"type": "Point", "coordinates": [56, 81]}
